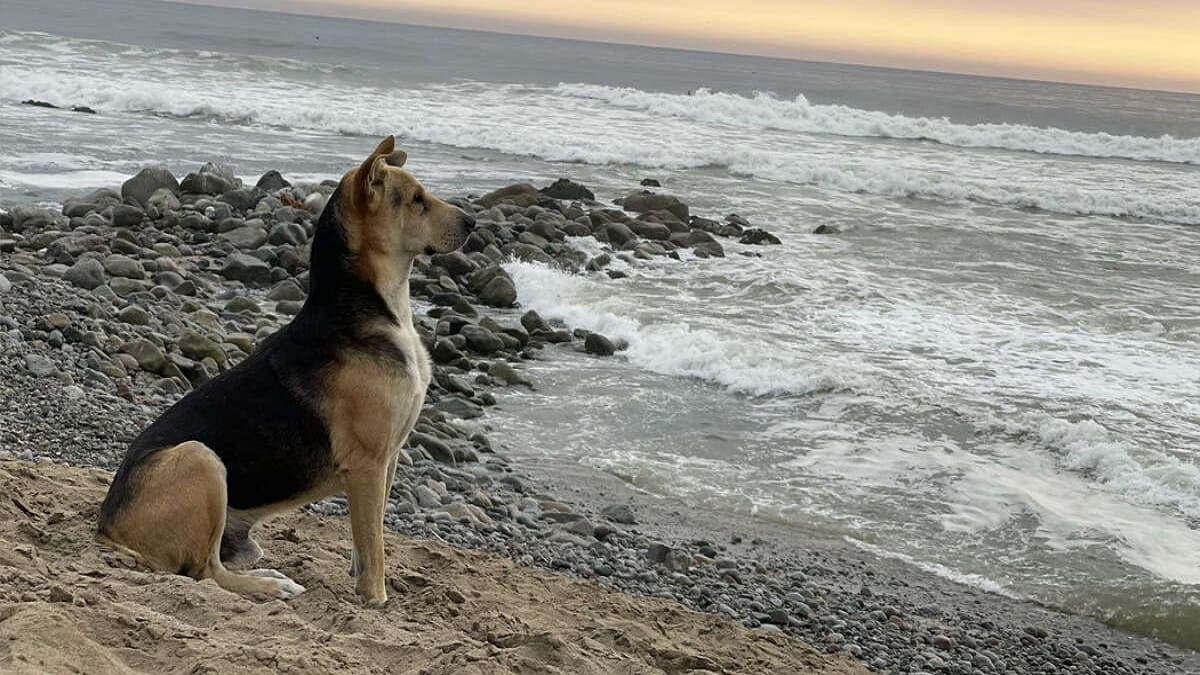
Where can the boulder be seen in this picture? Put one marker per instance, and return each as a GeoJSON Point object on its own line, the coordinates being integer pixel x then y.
{"type": "Point", "coordinates": [651, 182]}
{"type": "Point", "coordinates": [246, 269]}
{"type": "Point", "coordinates": [27, 216]}
{"type": "Point", "coordinates": [98, 200]}
{"type": "Point", "coordinates": [87, 273]}
{"type": "Point", "coordinates": [499, 292]}
{"type": "Point", "coordinates": [246, 237]}
{"type": "Point", "coordinates": [272, 181]}
{"type": "Point", "coordinates": [618, 234]}
{"type": "Point", "coordinates": [646, 230]}
{"type": "Point", "coordinates": [644, 201]}
{"type": "Point", "coordinates": [758, 236]}
{"type": "Point", "coordinates": [599, 345]}
{"type": "Point", "coordinates": [482, 340]}
{"type": "Point", "coordinates": [148, 356]}
{"type": "Point", "coordinates": [243, 199]}
{"type": "Point", "coordinates": [565, 188]}
{"type": "Point", "coordinates": [521, 194]}
{"type": "Point", "coordinates": [141, 187]}
{"type": "Point", "coordinates": [196, 346]}
{"type": "Point", "coordinates": [127, 215]}
{"type": "Point", "coordinates": [205, 184]}
{"type": "Point", "coordinates": [123, 266]}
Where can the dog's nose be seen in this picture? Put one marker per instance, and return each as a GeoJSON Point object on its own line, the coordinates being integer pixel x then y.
{"type": "Point", "coordinates": [468, 221]}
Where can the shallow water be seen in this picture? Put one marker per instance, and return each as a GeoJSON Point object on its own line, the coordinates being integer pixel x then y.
{"type": "Point", "coordinates": [990, 371]}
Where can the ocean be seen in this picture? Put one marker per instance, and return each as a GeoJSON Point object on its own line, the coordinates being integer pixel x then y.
{"type": "Point", "coordinates": [989, 371]}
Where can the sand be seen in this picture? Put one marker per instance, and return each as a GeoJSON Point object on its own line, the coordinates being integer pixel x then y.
{"type": "Point", "coordinates": [68, 605]}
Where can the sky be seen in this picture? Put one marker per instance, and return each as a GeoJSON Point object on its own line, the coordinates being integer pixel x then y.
{"type": "Point", "coordinates": [1136, 43]}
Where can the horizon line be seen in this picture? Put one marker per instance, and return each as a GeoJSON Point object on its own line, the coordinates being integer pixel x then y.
{"type": "Point", "coordinates": [676, 48]}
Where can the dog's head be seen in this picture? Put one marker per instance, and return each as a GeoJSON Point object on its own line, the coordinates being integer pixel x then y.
{"type": "Point", "coordinates": [392, 214]}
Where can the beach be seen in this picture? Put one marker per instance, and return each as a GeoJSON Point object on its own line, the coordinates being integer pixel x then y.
{"type": "Point", "coordinates": [117, 303]}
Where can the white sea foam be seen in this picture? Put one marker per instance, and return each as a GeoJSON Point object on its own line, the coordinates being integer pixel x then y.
{"type": "Point", "coordinates": [972, 580]}
{"type": "Point", "coordinates": [765, 111]}
{"type": "Point", "coordinates": [535, 121]}
{"type": "Point", "coordinates": [65, 180]}
{"type": "Point", "coordinates": [671, 348]}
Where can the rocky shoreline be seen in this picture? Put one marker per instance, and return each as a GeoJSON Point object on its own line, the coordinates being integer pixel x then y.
{"type": "Point", "coordinates": [118, 303]}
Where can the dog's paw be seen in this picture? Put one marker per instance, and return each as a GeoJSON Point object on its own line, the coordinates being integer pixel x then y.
{"type": "Point", "coordinates": [287, 589]}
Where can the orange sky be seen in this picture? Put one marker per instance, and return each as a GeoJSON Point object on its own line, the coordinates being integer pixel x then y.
{"type": "Point", "coordinates": [1143, 43]}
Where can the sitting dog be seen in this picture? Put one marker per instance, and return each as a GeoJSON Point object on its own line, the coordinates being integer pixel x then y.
{"type": "Point", "coordinates": [320, 407]}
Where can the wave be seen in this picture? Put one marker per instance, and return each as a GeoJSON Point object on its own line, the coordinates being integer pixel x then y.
{"type": "Point", "coordinates": [671, 348]}
{"type": "Point", "coordinates": [536, 122]}
{"type": "Point", "coordinates": [765, 111]}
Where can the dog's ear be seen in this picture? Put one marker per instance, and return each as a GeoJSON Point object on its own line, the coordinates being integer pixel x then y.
{"type": "Point", "coordinates": [371, 171]}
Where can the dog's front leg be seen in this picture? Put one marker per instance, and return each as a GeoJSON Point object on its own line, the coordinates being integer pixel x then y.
{"type": "Point", "coordinates": [366, 491]}
{"type": "Point", "coordinates": [356, 561]}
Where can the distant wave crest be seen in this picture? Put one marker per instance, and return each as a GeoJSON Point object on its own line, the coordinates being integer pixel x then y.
{"type": "Point", "coordinates": [765, 111]}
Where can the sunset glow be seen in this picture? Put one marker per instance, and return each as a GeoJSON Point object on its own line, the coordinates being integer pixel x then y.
{"type": "Point", "coordinates": [1147, 44]}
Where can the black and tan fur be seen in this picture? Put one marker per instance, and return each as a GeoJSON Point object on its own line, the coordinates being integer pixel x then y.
{"type": "Point", "coordinates": [321, 407]}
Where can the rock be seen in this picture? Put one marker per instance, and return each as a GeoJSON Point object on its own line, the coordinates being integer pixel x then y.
{"type": "Point", "coordinates": [457, 263]}
{"type": "Point", "coordinates": [457, 406]}
{"type": "Point", "coordinates": [98, 200]}
{"type": "Point", "coordinates": [617, 233]}
{"type": "Point", "coordinates": [482, 340]}
{"type": "Point", "coordinates": [942, 642]}
{"type": "Point", "coordinates": [30, 216]}
{"type": "Point", "coordinates": [196, 346]}
{"type": "Point", "coordinates": [87, 273]}
{"type": "Point", "coordinates": [147, 182]}
{"type": "Point", "coordinates": [426, 497]}
{"type": "Point", "coordinates": [242, 305]}
{"type": "Point", "coordinates": [83, 109]}
{"type": "Point", "coordinates": [533, 322]}
{"type": "Point", "coordinates": [148, 356]}
{"type": "Point", "coordinates": [246, 269]}
{"type": "Point", "coordinates": [657, 553]}
{"type": "Point", "coordinates": [127, 215]}
{"type": "Point", "coordinates": [758, 236]}
{"type": "Point", "coordinates": [619, 513]}
{"type": "Point", "coordinates": [39, 104]}
{"type": "Point", "coordinates": [123, 266]}
{"type": "Point", "coordinates": [499, 292]}
{"type": "Point", "coordinates": [287, 233]}
{"type": "Point", "coordinates": [272, 181]}
{"type": "Point", "coordinates": [646, 230]}
{"type": "Point", "coordinates": [520, 194]}
{"type": "Point", "coordinates": [826, 229]}
{"type": "Point", "coordinates": [651, 182]}
{"type": "Point", "coordinates": [39, 365]}
{"type": "Point", "coordinates": [243, 199]}
{"type": "Point", "coordinates": [247, 237]}
{"type": "Point", "coordinates": [287, 289]}
{"type": "Point", "coordinates": [205, 183]}
{"type": "Point", "coordinates": [599, 345]}
{"type": "Point", "coordinates": [5, 284]}
{"type": "Point", "coordinates": [644, 201]}
{"type": "Point", "coordinates": [133, 314]}
{"type": "Point", "coordinates": [503, 372]}
{"type": "Point", "coordinates": [564, 188]}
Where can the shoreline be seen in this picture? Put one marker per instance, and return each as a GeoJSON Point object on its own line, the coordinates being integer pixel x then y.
{"type": "Point", "coordinates": [181, 287]}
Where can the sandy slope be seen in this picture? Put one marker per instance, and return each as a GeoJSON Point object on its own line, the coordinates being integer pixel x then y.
{"type": "Point", "coordinates": [69, 606]}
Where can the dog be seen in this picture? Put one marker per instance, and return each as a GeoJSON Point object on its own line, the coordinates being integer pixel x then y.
{"type": "Point", "coordinates": [321, 407]}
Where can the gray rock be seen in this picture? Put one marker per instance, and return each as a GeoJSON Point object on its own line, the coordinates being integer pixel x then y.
{"type": "Point", "coordinates": [197, 346]}
{"type": "Point", "coordinates": [287, 233]}
{"type": "Point", "coordinates": [123, 266]}
{"type": "Point", "coordinates": [599, 345]}
{"type": "Point", "coordinates": [564, 188]}
{"type": "Point", "coordinates": [243, 199]}
{"type": "Point", "coordinates": [620, 513]}
{"type": "Point", "coordinates": [520, 194]}
{"type": "Point", "coordinates": [133, 314]}
{"type": "Point", "coordinates": [534, 323]}
{"type": "Point", "coordinates": [758, 236]}
{"type": "Point", "coordinates": [482, 340]}
{"type": "Point", "coordinates": [617, 233]}
{"type": "Point", "coordinates": [30, 216]}
{"type": "Point", "coordinates": [426, 497]}
{"type": "Point", "coordinates": [642, 202]}
{"type": "Point", "coordinates": [457, 406]}
{"type": "Point", "coordinates": [272, 181]}
{"type": "Point", "coordinates": [5, 284]}
{"type": "Point", "coordinates": [39, 365]}
{"type": "Point", "coordinates": [242, 305]}
{"type": "Point", "coordinates": [147, 182]}
{"type": "Point", "coordinates": [87, 273]}
{"type": "Point", "coordinates": [247, 237]}
{"type": "Point", "coordinates": [205, 183]}
{"type": "Point", "coordinates": [246, 269]}
{"type": "Point", "coordinates": [499, 292]}
{"type": "Point", "coordinates": [505, 373]}
{"type": "Point", "coordinates": [127, 215]}
{"type": "Point", "coordinates": [148, 356]}
{"type": "Point", "coordinates": [287, 289]}
{"type": "Point", "coordinates": [74, 207]}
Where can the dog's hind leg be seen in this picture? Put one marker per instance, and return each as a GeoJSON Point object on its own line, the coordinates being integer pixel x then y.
{"type": "Point", "coordinates": [176, 519]}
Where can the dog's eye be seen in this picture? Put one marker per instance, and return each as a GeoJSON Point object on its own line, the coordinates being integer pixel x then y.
{"type": "Point", "coordinates": [419, 200]}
